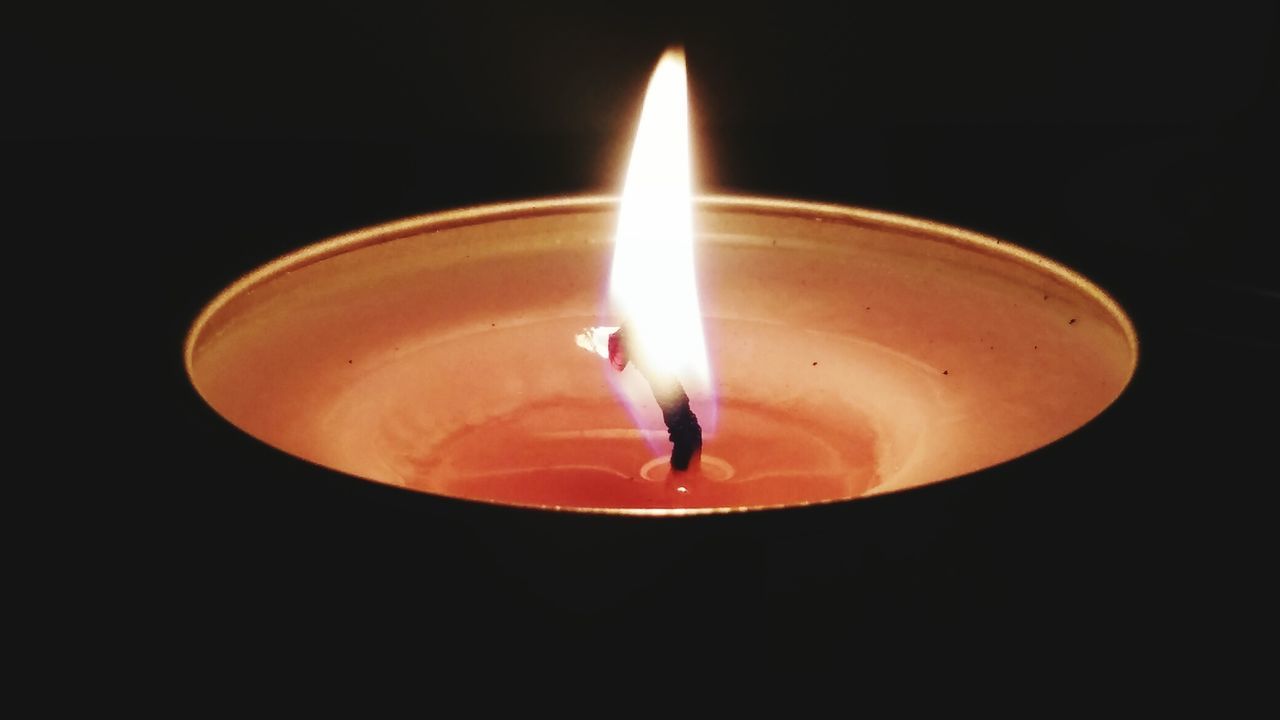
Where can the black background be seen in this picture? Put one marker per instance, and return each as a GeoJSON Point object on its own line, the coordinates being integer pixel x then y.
{"type": "Point", "coordinates": [169, 149]}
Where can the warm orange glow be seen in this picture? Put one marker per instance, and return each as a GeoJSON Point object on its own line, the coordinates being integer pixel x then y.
{"type": "Point", "coordinates": [652, 287]}
{"type": "Point", "coordinates": [472, 392]}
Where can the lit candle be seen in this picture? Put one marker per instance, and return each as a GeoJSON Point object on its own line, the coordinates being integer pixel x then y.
{"type": "Point", "coordinates": [829, 352]}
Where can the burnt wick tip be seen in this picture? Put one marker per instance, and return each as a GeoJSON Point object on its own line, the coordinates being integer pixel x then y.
{"type": "Point", "coordinates": [682, 425]}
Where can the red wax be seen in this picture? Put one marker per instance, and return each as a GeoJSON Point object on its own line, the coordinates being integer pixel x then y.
{"type": "Point", "coordinates": [853, 353]}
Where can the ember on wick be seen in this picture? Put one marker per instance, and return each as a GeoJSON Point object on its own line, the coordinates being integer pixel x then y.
{"type": "Point", "coordinates": [682, 425]}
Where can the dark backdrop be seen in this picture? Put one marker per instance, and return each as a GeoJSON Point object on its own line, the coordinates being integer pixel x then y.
{"type": "Point", "coordinates": [171, 149]}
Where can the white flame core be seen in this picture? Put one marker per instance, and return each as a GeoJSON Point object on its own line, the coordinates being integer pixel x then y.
{"type": "Point", "coordinates": [652, 286]}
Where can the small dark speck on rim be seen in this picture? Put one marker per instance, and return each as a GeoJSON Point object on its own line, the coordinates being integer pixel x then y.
{"type": "Point", "coordinates": [946, 372]}
{"type": "Point", "coordinates": [348, 362]}
{"type": "Point", "coordinates": [868, 307]}
{"type": "Point", "coordinates": [1046, 297]}
{"type": "Point", "coordinates": [815, 363]}
{"type": "Point", "coordinates": [1072, 321]}
{"type": "Point", "coordinates": [493, 324]}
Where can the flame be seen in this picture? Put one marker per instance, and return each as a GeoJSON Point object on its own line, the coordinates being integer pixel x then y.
{"type": "Point", "coordinates": [652, 286]}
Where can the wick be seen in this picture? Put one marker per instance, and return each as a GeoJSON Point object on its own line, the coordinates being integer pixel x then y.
{"type": "Point", "coordinates": [682, 425]}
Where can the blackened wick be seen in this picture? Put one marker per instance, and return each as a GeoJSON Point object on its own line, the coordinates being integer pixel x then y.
{"type": "Point", "coordinates": [682, 425]}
